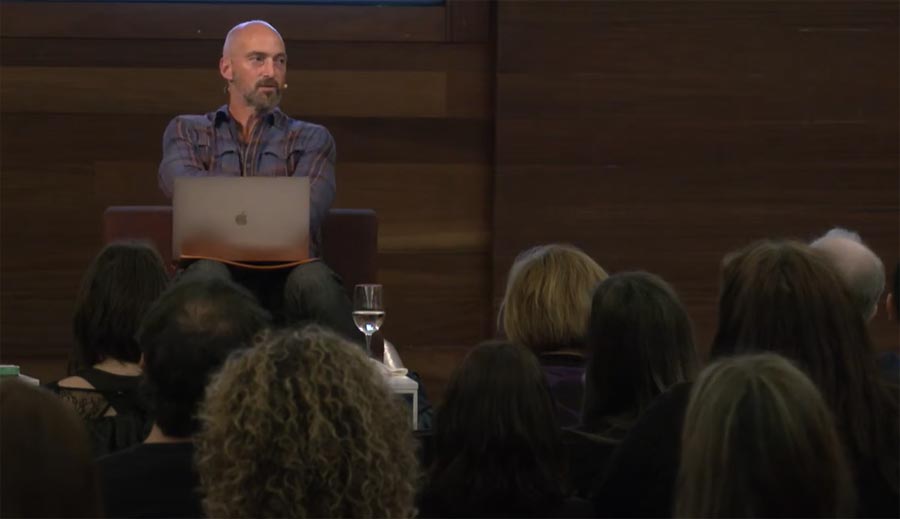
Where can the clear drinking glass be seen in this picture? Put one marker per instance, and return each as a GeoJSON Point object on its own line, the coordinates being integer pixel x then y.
{"type": "Point", "coordinates": [368, 311]}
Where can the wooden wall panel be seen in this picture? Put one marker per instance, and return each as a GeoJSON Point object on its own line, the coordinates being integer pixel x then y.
{"type": "Point", "coordinates": [410, 108]}
{"type": "Point", "coordinates": [660, 135]}
{"type": "Point", "coordinates": [209, 21]}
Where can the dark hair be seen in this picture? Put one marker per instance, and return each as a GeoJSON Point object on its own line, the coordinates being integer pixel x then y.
{"type": "Point", "coordinates": [48, 468]}
{"type": "Point", "coordinates": [185, 337]}
{"type": "Point", "coordinates": [780, 296]}
{"type": "Point", "coordinates": [759, 441]}
{"type": "Point", "coordinates": [497, 444]}
{"type": "Point", "coordinates": [640, 344]}
{"type": "Point", "coordinates": [116, 290]}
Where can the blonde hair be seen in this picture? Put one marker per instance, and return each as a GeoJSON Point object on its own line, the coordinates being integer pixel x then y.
{"type": "Point", "coordinates": [548, 297]}
{"type": "Point", "coordinates": [302, 425]}
{"type": "Point", "coordinates": [759, 441]}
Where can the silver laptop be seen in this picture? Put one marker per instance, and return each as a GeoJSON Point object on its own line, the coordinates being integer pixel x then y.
{"type": "Point", "coordinates": [244, 219]}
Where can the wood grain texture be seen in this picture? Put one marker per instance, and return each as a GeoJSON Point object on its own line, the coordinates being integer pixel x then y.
{"type": "Point", "coordinates": [660, 135]}
{"type": "Point", "coordinates": [84, 107]}
{"type": "Point", "coordinates": [153, 91]}
{"type": "Point", "coordinates": [200, 21]}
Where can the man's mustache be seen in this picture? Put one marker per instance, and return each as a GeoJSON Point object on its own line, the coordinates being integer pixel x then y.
{"type": "Point", "coordinates": [268, 83]}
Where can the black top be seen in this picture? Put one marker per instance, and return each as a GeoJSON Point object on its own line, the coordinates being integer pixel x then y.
{"type": "Point", "coordinates": [640, 479]}
{"type": "Point", "coordinates": [587, 457]}
{"type": "Point", "coordinates": [151, 480]}
{"type": "Point", "coordinates": [114, 412]}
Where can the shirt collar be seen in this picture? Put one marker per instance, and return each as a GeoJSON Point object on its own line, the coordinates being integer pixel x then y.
{"type": "Point", "coordinates": [275, 118]}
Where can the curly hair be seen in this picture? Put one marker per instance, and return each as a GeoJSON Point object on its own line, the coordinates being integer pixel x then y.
{"type": "Point", "coordinates": [302, 425]}
{"type": "Point", "coordinates": [548, 298]}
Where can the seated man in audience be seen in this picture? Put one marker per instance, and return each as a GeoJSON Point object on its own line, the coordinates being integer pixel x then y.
{"type": "Point", "coordinates": [890, 361]}
{"type": "Point", "coordinates": [863, 272]}
{"type": "Point", "coordinates": [861, 269]}
{"type": "Point", "coordinates": [185, 337]}
{"type": "Point", "coordinates": [250, 136]}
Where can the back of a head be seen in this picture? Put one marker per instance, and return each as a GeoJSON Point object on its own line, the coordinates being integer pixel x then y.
{"type": "Point", "coordinates": [548, 297]}
{"type": "Point", "coordinates": [303, 425]}
{"type": "Point", "coordinates": [48, 469]}
{"type": "Point", "coordinates": [496, 435]}
{"type": "Point", "coordinates": [640, 344]}
{"type": "Point", "coordinates": [759, 441]}
{"type": "Point", "coordinates": [784, 298]}
{"type": "Point", "coordinates": [185, 337]}
{"type": "Point", "coordinates": [861, 269]}
{"type": "Point", "coordinates": [117, 289]}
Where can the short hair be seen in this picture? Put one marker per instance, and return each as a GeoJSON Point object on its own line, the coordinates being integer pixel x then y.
{"type": "Point", "coordinates": [782, 297]}
{"type": "Point", "coordinates": [185, 337]}
{"type": "Point", "coordinates": [304, 425]}
{"type": "Point", "coordinates": [548, 297]}
{"type": "Point", "coordinates": [120, 284]}
{"type": "Point", "coordinates": [859, 267]}
{"type": "Point", "coordinates": [640, 344]}
{"type": "Point", "coordinates": [759, 441]}
{"type": "Point", "coordinates": [496, 434]}
{"type": "Point", "coordinates": [48, 468]}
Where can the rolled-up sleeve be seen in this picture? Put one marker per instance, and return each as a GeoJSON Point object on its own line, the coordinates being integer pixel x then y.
{"type": "Point", "coordinates": [180, 155]}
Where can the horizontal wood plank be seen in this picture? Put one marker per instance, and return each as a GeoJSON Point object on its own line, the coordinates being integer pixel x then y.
{"type": "Point", "coordinates": [204, 54]}
{"type": "Point", "coordinates": [161, 91]}
{"type": "Point", "coordinates": [189, 21]}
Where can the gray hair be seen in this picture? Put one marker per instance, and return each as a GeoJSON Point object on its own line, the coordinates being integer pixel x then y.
{"type": "Point", "coordinates": [859, 267]}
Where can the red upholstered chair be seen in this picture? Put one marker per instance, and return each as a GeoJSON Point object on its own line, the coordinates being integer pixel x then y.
{"type": "Point", "coordinates": [350, 237]}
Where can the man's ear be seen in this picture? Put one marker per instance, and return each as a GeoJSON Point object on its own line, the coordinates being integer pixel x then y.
{"type": "Point", "coordinates": [141, 363]}
{"type": "Point", "coordinates": [889, 304]}
{"type": "Point", "coordinates": [225, 68]}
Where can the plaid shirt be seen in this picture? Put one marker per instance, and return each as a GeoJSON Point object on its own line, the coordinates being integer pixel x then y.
{"type": "Point", "coordinates": [209, 145]}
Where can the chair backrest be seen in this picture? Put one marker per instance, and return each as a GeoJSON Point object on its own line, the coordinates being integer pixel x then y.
{"type": "Point", "coordinates": [350, 237]}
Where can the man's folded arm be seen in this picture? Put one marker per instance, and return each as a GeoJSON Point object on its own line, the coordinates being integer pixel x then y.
{"type": "Point", "coordinates": [180, 155]}
{"type": "Point", "coordinates": [317, 162]}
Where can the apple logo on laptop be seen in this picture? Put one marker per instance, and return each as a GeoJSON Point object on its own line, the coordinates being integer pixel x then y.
{"type": "Point", "coordinates": [241, 219]}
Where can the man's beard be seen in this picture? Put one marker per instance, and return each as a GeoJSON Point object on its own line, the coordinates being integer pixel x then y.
{"type": "Point", "coordinates": [262, 101]}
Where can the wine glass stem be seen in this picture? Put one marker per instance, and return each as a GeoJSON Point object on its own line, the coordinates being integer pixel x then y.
{"type": "Point", "coordinates": [369, 344]}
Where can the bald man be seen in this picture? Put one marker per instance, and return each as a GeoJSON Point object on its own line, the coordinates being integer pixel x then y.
{"type": "Point", "coordinates": [861, 269]}
{"type": "Point", "coordinates": [248, 137]}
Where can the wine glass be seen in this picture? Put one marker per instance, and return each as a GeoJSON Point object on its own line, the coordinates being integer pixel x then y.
{"type": "Point", "coordinates": [368, 311]}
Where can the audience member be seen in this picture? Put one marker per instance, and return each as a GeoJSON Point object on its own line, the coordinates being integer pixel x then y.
{"type": "Point", "coordinates": [759, 441]}
{"type": "Point", "coordinates": [304, 425]}
{"type": "Point", "coordinates": [857, 265]}
{"type": "Point", "coordinates": [117, 289]}
{"type": "Point", "coordinates": [47, 466]}
{"type": "Point", "coordinates": [889, 361]}
{"type": "Point", "coordinates": [497, 445]}
{"type": "Point", "coordinates": [780, 297]}
{"type": "Point", "coordinates": [185, 337]}
{"type": "Point", "coordinates": [640, 344]}
{"type": "Point", "coordinates": [546, 308]}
